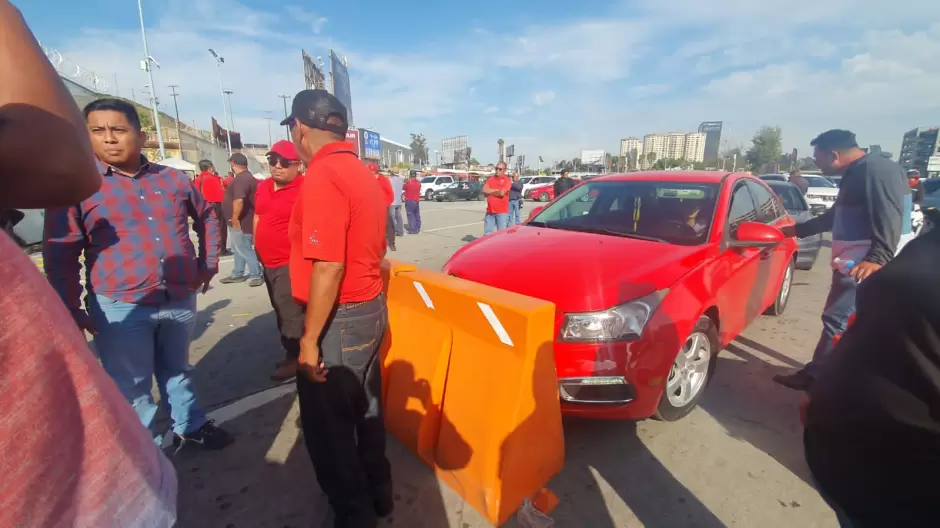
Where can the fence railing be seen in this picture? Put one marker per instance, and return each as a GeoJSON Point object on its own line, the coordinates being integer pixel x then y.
{"type": "Point", "coordinates": [74, 71]}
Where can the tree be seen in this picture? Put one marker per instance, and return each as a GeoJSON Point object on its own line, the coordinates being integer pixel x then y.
{"type": "Point", "coordinates": [650, 159]}
{"type": "Point", "coordinates": [419, 149]}
{"type": "Point", "coordinates": [474, 161]}
{"type": "Point", "coordinates": [576, 163]}
{"type": "Point", "coordinates": [765, 148]}
{"type": "Point", "coordinates": [807, 163]}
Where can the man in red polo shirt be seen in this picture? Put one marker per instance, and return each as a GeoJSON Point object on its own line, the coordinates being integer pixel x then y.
{"type": "Point", "coordinates": [274, 201]}
{"type": "Point", "coordinates": [412, 190]}
{"type": "Point", "coordinates": [497, 189]}
{"type": "Point", "coordinates": [337, 247]}
{"type": "Point", "coordinates": [389, 199]}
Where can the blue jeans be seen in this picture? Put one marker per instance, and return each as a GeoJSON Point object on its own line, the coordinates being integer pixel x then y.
{"type": "Point", "coordinates": [495, 222]}
{"type": "Point", "coordinates": [244, 255]}
{"type": "Point", "coordinates": [136, 343]}
{"type": "Point", "coordinates": [840, 304]}
{"type": "Point", "coordinates": [514, 207]}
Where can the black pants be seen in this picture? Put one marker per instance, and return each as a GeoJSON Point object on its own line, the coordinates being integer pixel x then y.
{"type": "Point", "coordinates": [223, 225]}
{"type": "Point", "coordinates": [290, 315]}
{"type": "Point", "coordinates": [342, 418]}
{"type": "Point", "coordinates": [390, 227]}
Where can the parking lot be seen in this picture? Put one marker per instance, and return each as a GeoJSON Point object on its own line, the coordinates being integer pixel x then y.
{"type": "Point", "coordinates": [735, 461]}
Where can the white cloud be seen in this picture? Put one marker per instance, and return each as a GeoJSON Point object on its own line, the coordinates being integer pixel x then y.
{"type": "Point", "coordinates": [543, 98]}
{"type": "Point", "coordinates": [806, 67]}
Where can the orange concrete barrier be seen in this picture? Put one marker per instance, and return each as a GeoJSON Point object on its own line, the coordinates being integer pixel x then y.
{"type": "Point", "coordinates": [489, 420]}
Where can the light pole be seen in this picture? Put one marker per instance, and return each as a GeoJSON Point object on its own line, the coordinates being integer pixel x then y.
{"type": "Point", "coordinates": [153, 112]}
{"type": "Point", "coordinates": [153, 96]}
{"type": "Point", "coordinates": [176, 108]}
{"type": "Point", "coordinates": [286, 127]}
{"type": "Point", "coordinates": [219, 61]}
{"type": "Point", "coordinates": [268, 117]}
{"type": "Point", "coordinates": [231, 116]}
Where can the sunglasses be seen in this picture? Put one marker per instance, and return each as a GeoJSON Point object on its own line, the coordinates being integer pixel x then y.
{"type": "Point", "coordinates": [275, 161]}
{"type": "Point", "coordinates": [500, 169]}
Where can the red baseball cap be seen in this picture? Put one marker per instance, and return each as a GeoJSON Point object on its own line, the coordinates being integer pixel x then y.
{"type": "Point", "coordinates": [373, 167]}
{"type": "Point", "coordinates": [284, 149]}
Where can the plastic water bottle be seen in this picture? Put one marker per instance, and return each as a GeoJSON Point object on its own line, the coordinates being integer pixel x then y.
{"type": "Point", "coordinates": [844, 266]}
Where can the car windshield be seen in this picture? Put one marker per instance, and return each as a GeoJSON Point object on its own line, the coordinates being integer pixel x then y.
{"type": "Point", "coordinates": [819, 181]}
{"type": "Point", "coordinates": [791, 196]}
{"type": "Point", "coordinates": [932, 185]}
{"type": "Point", "coordinates": [525, 180]}
{"type": "Point", "coordinates": [428, 179]}
{"type": "Point", "coordinates": [661, 211]}
{"type": "Point", "coordinates": [453, 185]}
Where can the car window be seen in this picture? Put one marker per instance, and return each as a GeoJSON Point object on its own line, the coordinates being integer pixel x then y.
{"type": "Point", "coordinates": [427, 179]}
{"type": "Point", "coordinates": [932, 185]}
{"type": "Point", "coordinates": [767, 209]}
{"type": "Point", "coordinates": [742, 208]}
{"type": "Point", "coordinates": [773, 177]}
{"type": "Point", "coordinates": [526, 180]}
{"type": "Point", "coordinates": [791, 197]}
{"type": "Point", "coordinates": [664, 211]}
{"type": "Point", "coordinates": [543, 179]}
{"type": "Point", "coordinates": [819, 181]}
{"type": "Point", "coordinates": [446, 179]}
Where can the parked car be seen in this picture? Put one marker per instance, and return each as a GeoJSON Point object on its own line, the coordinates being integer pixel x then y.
{"type": "Point", "coordinates": [459, 191]}
{"type": "Point", "coordinates": [651, 275]}
{"type": "Point", "coordinates": [821, 192]}
{"type": "Point", "coordinates": [26, 228]}
{"type": "Point", "coordinates": [431, 184]}
{"type": "Point", "coordinates": [531, 182]}
{"type": "Point", "coordinates": [795, 204]}
{"type": "Point", "coordinates": [544, 193]}
{"type": "Point", "coordinates": [774, 177]}
{"type": "Point", "coordinates": [931, 193]}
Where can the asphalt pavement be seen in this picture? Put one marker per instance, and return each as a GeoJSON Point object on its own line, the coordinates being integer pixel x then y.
{"type": "Point", "coordinates": [735, 461]}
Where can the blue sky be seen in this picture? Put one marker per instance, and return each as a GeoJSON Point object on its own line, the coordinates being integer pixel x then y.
{"type": "Point", "coordinates": [551, 77]}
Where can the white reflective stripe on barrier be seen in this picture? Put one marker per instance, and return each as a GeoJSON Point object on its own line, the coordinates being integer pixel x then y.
{"type": "Point", "coordinates": [494, 322]}
{"type": "Point", "coordinates": [424, 294]}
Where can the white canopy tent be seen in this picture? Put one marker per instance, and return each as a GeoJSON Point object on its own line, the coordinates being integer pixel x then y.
{"type": "Point", "coordinates": [178, 164]}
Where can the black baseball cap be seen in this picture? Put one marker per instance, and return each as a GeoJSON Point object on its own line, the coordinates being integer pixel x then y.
{"type": "Point", "coordinates": [239, 159]}
{"type": "Point", "coordinates": [314, 107]}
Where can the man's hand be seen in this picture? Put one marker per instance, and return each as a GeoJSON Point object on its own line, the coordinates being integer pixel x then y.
{"type": "Point", "coordinates": [83, 320]}
{"type": "Point", "coordinates": [310, 362]}
{"type": "Point", "coordinates": [789, 231]}
{"type": "Point", "coordinates": [236, 224]}
{"type": "Point", "coordinates": [205, 277]}
{"type": "Point", "coordinates": [863, 270]}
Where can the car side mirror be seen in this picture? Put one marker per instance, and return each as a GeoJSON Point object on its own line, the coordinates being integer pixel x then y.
{"type": "Point", "coordinates": [534, 212]}
{"type": "Point", "coordinates": [756, 235]}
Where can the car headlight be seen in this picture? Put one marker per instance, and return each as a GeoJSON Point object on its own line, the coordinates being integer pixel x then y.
{"type": "Point", "coordinates": [624, 322]}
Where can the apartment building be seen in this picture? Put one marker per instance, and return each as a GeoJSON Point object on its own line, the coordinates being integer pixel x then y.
{"type": "Point", "coordinates": [918, 146]}
{"type": "Point", "coordinates": [695, 146]}
{"type": "Point", "coordinates": [654, 148]}
{"type": "Point", "coordinates": [631, 149]}
{"type": "Point", "coordinates": [674, 145]}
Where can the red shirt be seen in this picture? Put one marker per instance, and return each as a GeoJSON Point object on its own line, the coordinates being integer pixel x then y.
{"type": "Point", "coordinates": [210, 185]}
{"type": "Point", "coordinates": [386, 189]}
{"type": "Point", "coordinates": [412, 189]}
{"type": "Point", "coordinates": [340, 217]}
{"type": "Point", "coordinates": [273, 208]}
{"type": "Point", "coordinates": [496, 205]}
{"type": "Point", "coordinates": [227, 181]}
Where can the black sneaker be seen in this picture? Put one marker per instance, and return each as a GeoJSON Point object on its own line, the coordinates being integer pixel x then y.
{"type": "Point", "coordinates": [800, 380]}
{"type": "Point", "coordinates": [206, 437]}
{"type": "Point", "coordinates": [233, 280]}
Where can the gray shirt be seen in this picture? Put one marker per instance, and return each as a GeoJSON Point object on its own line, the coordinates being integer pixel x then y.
{"type": "Point", "coordinates": [397, 185]}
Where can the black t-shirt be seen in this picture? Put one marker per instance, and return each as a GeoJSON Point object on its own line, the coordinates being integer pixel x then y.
{"type": "Point", "coordinates": [243, 188]}
{"type": "Point", "coordinates": [562, 184]}
{"type": "Point", "coordinates": [872, 436]}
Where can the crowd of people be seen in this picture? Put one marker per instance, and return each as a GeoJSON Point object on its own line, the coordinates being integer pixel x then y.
{"type": "Point", "coordinates": [79, 442]}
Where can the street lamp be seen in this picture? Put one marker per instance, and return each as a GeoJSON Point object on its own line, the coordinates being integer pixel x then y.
{"type": "Point", "coordinates": [231, 114]}
{"type": "Point", "coordinates": [146, 64]}
{"type": "Point", "coordinates": [219, 61]}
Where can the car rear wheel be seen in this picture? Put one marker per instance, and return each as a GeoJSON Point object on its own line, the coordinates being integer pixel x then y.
{"type": "Point", "coordinates": [690, 373]}
{"type": "Point", "coordinates": [783, 293]}
{"type": "Point", "coordinates": [544, 197]}
{"type": "Point", "coordinates": [428, 195]}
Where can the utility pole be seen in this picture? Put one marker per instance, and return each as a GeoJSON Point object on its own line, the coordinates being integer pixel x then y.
{"type": "Point", "coordinates": [179, 136]}
{"type": "Point", "coordinates": [267, 115]}
{"type": "Point", "coordinates": [116, 92]}
{"type": "Point", "coordinates": [286, 127]}
{"type": "Point", "coordinates": [231, 116]}
{"type": "Point", "coordinates": [219, 61]}
{"type": "Point", "coordinates": [153, 92]}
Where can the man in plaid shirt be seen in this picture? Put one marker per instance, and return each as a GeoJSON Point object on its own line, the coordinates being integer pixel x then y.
{"type": "Point", "coordinates": [141, 271]}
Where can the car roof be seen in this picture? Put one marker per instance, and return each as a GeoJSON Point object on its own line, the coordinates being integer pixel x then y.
{"type": "Point", "coordinates": [778, 183]}
{"type": "Point", "coordinates": [671, 176]}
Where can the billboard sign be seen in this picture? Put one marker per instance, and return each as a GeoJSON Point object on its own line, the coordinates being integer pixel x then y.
{"type": "Point", "coordinates": [933, 163]}
{"type": "Point", "coordinates": [592, 157]}
{"type": "Point", "coordinates": [339, 75]}
{"type": "Point", "coordinates": [352, 136]}
{"type": "Point", "coordinates": [313, 73]}
{"type": "Point", "coordinates": [453, 150]}
{"type": "Point", "coordinates": [371, 145]}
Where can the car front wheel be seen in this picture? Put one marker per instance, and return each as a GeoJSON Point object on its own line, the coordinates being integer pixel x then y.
{"type": "Point", "coordinates": [690, 373]}
{"type": "Point", "coordinates": [783, 293]}
{"type": "Point", "coordinates": [543, 197]}
{"type": "Point", "coordinates": [428, 195]}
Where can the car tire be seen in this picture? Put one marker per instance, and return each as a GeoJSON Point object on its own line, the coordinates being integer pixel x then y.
{"type": "Point", "coordinates": [428, 195]}
{"type": "Point", "coordinates": [544, 197]}
{"type": "Point", "coordinates": [479, 197]}
{"type": "Point", "coordinates": [783, 292]}
{"type": "Point", "coordinates": [691, 372]}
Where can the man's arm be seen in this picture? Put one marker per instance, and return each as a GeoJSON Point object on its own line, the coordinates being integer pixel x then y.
{"type": "Point", "coordinates": [885, 191]}
{"type": "Point", "coordinates": [37, 111]}
{"type": "Point", "coordinates": [326, 222]}
{"type": "Point", "coordinates": [207, 228]}
{"type": "Point", "coordinates": [816, 225]}
{"type": "Point", "coordinates": [63, 243]}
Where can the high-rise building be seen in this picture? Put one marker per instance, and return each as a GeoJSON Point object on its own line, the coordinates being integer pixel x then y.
{"type": "Point", "coordinates": [675, 145]}
{"type": "Point", "coordinates": [654, 148]}
{"type": "Point", "coordinates": [695, 146]}
{"type": "Point", "coordinates": [918, 146]}
{"type": "Point", "coordinates": [631, 149]}
{"type": "Point", "coordinates": [712, 131]}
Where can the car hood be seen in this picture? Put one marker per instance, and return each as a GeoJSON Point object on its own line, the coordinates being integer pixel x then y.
{"type": "Point", "coordinates": [576, 271]}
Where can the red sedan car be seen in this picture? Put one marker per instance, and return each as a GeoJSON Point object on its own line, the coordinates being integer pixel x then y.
{"type": "Point", "coordinates": [545, 193]}
{"type": "Point", "coordinates": [651, 275]}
